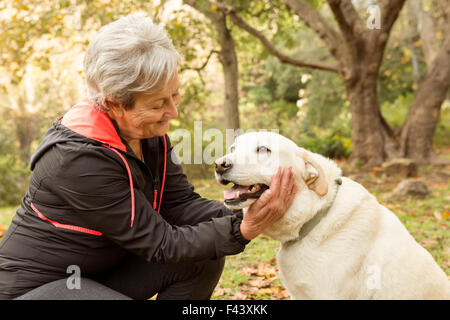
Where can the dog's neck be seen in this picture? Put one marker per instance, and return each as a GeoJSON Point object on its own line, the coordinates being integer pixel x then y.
{"type": "Point", "coordinates": [303, 210]}
{"type": "Point", "coordinates": [315, 220]}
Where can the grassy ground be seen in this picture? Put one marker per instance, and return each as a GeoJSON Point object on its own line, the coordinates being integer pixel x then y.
{"type": "Point", "coordinates": [253, 273]}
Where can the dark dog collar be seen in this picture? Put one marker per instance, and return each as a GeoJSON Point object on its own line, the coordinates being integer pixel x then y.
{"type": "Point", "coordinates": [314, 221]}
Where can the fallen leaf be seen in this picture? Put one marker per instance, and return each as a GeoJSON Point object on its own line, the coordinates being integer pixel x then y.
{"type": "Point", "coordinates": [249, 271]}
{"type": "Point", "coordinates": [222, 291]}
{"type": "Point", "coordinates": [445, 214]}
{"type": "Point", "coordinates": [261, 268]}
{"type": "Point", "coordinates": [2, 232]}
{"type": "Point", "coordinates": [261, 282]}
{"type": "Point", "coordinates": [238, 295]}
{"type": "Point", "coordinates": [284, 294]}
{"type": "Point", "coordinates": [438, 215]}
{"type": "Point", "coordinates": [427, 242]}
{"type": "Point", "coordinates": [265, 291]}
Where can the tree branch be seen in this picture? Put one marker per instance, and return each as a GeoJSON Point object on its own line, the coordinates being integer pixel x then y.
{"type": "Point", "coordinates": [347, 18]}
{"type": "Point", "coordinates": [390, 10]}
{"type": "Point", "coordinates": [273, 50]}
{"type": "Point", "coordinates": [445, 7]}
{"type": "Point", "coordinates": [269, 46]}
{"type": "Point", "coordinates": [314, 20]}
{"type": "Point", "coordinates": [203, 66]}
{"type": "Point", "coordinates": [203, 7]}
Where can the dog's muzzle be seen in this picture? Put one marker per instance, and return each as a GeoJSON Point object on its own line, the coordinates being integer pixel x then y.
{"type": "Point", "coordinates": [239, 193]}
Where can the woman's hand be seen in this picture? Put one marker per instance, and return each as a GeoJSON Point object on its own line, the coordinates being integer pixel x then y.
{"type": "Point", "coordinates": [271, 206]}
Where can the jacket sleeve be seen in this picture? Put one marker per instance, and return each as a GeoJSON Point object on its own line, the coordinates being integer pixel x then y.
{"type": "Point", "coordinates": [95, 184]}
{"type": "Point", "coordinates": [181, 204]}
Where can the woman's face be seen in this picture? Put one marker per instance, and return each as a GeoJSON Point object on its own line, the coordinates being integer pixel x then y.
{"type": "Point", "coordinates": [151, 113]}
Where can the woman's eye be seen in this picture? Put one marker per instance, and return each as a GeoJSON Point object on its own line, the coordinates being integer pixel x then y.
{"type": "Point", "coordinates": [262, 149]}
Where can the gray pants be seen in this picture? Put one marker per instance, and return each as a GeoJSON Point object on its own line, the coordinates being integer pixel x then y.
{"type": "Point", "coordinates": [137, 279]}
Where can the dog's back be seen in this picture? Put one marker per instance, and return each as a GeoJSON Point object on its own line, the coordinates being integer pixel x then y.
{"type": "Point", "coordinates": [361, 250]}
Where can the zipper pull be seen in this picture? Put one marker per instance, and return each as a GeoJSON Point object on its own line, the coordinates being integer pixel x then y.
{"type": "Point", "coordinates": [155, 191]}
{"type": "Point", "coordinates": [154, 198]}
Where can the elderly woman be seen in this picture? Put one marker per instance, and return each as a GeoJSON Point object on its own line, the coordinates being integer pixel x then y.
{"type": "Point", "coordinates": [107, 202]}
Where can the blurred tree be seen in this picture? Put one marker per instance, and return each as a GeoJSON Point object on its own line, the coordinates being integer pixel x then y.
{"type": "Point", "coordinates": [418, 130]}
{"type": "Point", "coordinates": [47, 38]}
{"type": "Point", "coordinates": [358, 50]}
{"type": "Point", "coordinates": [34, 33]}
{"type": "Point", "coordinates": [227, 57]}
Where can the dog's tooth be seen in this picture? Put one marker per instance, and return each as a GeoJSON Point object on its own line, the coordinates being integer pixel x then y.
{"type": "Point", "coordinates": [237, 194]}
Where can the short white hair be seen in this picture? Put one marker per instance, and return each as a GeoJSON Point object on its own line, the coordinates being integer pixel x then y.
{"type": "Point", "coordinates": [126, 57]}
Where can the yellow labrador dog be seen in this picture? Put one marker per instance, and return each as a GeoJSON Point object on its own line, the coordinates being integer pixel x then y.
{"type": "Point", "coordinates": [337, 241]}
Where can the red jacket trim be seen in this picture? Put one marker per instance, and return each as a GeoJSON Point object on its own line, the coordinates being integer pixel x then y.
{"type": "Point", "coordinates": [65, 226]}
{"type": "Point", "coordinates": [84, 118]}
{"type": "Point", "coordinates": [130, 178]}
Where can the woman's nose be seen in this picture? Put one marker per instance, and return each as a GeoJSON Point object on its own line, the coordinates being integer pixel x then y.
{"type": "Point", "coordinates": [172, 110]}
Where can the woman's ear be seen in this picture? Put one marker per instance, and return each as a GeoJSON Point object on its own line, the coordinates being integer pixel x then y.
{"type": "Point", "coordinates": [313, 174]}
{"type": "Point", "coordinates": [116, 109]}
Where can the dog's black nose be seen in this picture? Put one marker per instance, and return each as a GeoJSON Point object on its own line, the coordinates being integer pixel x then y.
{"type": "Point", "coordinates": [222, 165]}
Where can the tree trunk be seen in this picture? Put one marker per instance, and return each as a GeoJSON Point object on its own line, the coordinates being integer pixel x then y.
{"type": "Point", "coordinates": [418, 130]}
{"type": "Point", "coordinates": [372, 138]}
{"type": "Point", "coordinates": [228, 59]}
{"type": "Point", "coordinates": [359, 52]}
{"type": "Point", "coordinates": [26, 131]}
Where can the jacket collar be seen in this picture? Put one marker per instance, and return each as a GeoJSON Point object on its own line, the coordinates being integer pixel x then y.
{"type": "Point", "coordinates": [85, 119]}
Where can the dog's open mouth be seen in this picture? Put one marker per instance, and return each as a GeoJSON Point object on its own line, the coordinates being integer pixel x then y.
{"type": "Point", "coordinates": [239, 193]}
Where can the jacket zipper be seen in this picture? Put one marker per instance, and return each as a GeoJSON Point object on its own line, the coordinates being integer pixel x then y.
{"type": "Point", "coordinates": [155, 191]}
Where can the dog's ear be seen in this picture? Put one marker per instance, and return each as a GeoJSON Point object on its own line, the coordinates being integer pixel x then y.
{"type": "Point", "coordinates": [313, 176]}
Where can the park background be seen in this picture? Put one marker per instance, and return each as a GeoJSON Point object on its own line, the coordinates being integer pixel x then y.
{"type": "Point", "coordinates": [362, 82]}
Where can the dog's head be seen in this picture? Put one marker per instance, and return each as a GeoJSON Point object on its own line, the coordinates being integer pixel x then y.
{"type": "Point", "coordinates": [254, 159]}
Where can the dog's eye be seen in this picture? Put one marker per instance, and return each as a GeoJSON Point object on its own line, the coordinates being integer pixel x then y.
{"type": "Point", "coordinates": [262, 149]}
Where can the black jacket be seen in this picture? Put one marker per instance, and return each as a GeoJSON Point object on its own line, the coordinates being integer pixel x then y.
{"type": "Point", "coordinates": [83, 209]}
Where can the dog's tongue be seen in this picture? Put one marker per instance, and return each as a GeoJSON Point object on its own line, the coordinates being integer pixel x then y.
{"type": "Point", "coordinates": [232, 193]}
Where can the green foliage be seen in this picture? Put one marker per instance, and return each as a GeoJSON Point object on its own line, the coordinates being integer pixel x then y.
{"type": "Point", "coordinates": [31, 21]}
{"type": "Point", "coordinates": [396, 74]}
{"type": "Point", "coordinates": [14, 180]}
{"type": "Point", "coordinates": [326, 96]}
{"type": "Point", "coordinates": [316, 3]}
{"type": "Point", "coordinates": [442, 135]}
{"type": "Point", "coordinates": [13, 172]}
{"type": "Point", "coordinates": [395, 112]}
{"type": "Point", "coordinates": [334, 143]}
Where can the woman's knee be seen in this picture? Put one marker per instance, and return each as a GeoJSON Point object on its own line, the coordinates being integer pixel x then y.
{"type": "Point", "coordinates": [60, 290]}
{"type": "Point", "coordinates": [211, 270]}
